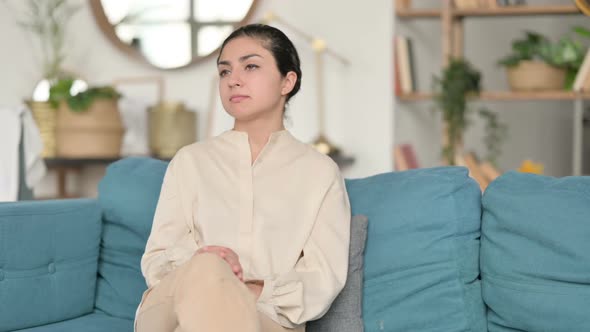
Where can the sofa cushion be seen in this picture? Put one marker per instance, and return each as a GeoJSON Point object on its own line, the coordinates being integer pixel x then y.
{"type": "Point", "coordinates": [345, 314]}
{"type": "Point", "coordinates": [48, 261]}
{"type": "Point", "coordinates": [95, 322]}
{"type": "Point", "coordinates": [535, 249]}
{"type": "Point", "coordinates": [128, 195]}
{"type": "Point", "coordinates": [421, 259]}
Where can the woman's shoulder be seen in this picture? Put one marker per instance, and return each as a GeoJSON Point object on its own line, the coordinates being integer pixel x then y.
{"type": "Point", "coordinates": [319, 162]}
{"type": "Point", "coordinates": [200, 147]}
{"type": "Point", "coordinates": [192, 152]}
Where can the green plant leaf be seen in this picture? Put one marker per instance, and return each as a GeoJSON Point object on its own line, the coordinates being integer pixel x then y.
{"type": "Point", "coordinates": [581, 31]}
{"type": "Point", "coordinates": [511, 60]}
{"type": "Point", "coordinates": [60, 92]}
{"type": "Point", "coordinates": [564, 53]}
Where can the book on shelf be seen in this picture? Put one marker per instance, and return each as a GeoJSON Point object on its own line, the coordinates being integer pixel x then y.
{"type": "Point", "coordinates": [492, 4]}
{"type": "Point", "coordinates": [397, 84]}
{"type": "Point", "coordinates": [502, 3]}
{"type": "Point", "coordinates": [472, 164]}
{"type": "Point", "coordinates": [405, 80]}
{"type": "Point", "coordinates": [482, 172]}
{"type": "Point", "coordinates": [466, 4]}
{"type": "Point", "coordinates": [472, 4]}
{"type": "Point", "coordinates": [489, 171]}
{"type": "Point", "coordinates": [402, 4]}
{"type": "Point", "coordinates": [404, 157]}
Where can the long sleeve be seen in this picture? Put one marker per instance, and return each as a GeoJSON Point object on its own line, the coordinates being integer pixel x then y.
{"type": "Point", "coordinates": [171, 241]}
{"type": "Point", "coordinates": [306, 292]}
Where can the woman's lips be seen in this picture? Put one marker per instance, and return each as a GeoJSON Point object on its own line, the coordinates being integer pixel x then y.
{"type": "Point", "coordinates": [237, 98]}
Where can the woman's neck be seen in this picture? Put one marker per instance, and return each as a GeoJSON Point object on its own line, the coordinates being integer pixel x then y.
{"type": "Point", "coordinates": [258, 135]}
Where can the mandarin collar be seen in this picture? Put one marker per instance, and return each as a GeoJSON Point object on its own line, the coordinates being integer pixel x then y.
{"type": "Point", "coordinates": [234, 135]}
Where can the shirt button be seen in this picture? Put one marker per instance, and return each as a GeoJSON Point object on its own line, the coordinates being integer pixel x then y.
{"type": "Point", "coordinates": [51, 268]}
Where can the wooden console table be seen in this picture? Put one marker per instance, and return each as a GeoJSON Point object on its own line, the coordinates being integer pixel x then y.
{"type": "Point", "coordinates": [63, 166]}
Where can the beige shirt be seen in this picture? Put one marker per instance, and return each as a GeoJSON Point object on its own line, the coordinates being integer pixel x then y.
{"type": "Point", "coordinates": [291, 200]}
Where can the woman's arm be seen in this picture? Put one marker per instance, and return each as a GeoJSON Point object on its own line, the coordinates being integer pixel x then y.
{"type": "Point", "coordinates": [306, 292]}
{"type": "Point", "coordinates": [171, 241]}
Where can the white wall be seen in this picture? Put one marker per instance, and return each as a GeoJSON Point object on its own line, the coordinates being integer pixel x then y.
{"type": "Point", "coordinates": [538, 130]}
{"type": "Point", "coordinates": [358, 97]}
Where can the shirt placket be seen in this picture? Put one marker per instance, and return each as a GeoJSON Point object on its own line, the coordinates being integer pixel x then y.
{"type": "Point", "coordinates": [246, 206]}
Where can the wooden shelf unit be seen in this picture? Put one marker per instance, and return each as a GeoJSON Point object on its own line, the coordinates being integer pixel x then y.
{"type": "Point", "coordinates": [506, 96]}
{"type": "Point", "coordinates": [452, 34]}
{"type": "Point", "coordinates": [500, 11]}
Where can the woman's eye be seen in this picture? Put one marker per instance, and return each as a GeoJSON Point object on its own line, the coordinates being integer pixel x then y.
{"type": "Point", "coordinates": [223, 72]}
{"type": "Point", "coordinates": [251, 67]}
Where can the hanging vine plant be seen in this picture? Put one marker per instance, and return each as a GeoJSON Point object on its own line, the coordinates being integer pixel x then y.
{"type": "Point", "coordinates": [457, 85]}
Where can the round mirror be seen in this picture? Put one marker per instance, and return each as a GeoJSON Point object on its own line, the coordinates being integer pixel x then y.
{"type": "Point", "coordinates": [170, 34]}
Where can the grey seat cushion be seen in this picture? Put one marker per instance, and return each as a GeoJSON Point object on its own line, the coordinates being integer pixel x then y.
{"type": "Point", "coordinates": [345, 314]}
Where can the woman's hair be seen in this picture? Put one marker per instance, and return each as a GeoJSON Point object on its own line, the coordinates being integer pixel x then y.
{"type": "Point", "coordinates": [278, 44]}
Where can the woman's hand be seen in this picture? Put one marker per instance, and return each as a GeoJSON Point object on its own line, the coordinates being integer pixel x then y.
{"type": "Point", "coordinates": [228, 255]}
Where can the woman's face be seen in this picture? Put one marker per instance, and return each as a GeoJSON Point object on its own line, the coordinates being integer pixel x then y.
{"type": "Point", "coordinates": [250, 84]}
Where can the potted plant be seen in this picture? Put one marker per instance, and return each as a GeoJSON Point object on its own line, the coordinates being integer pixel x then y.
{"type": "Point", "coordinates": [536, 63]}
{"type": "Point", "coordinates": [47, 20]}
{"type": "Point", "coordinates": [458, 83]}
{"type": "Point", "coordinates": [88, 123]}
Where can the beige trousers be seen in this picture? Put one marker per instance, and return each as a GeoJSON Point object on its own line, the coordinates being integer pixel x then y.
{"type": "Point", "coordinates": [203, 295]}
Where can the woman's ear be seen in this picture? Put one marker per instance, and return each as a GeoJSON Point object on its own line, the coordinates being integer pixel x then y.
{"type": "Point", "coordinates": [288, 83]}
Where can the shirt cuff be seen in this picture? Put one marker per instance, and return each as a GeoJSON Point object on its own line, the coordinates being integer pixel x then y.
{"type": "Point", "coordinates": [266, 294]}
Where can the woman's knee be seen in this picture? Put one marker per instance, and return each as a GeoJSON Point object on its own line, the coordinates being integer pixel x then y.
{"type": "Point", "coordinates": [206, 267]}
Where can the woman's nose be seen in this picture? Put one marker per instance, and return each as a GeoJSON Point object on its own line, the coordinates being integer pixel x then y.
{"type": "Point", "coordinates": [234, 80]}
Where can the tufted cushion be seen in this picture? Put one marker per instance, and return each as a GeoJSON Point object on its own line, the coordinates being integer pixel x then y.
{"type": "Point", "coordinates": [94, 322]}
{"type": "Point", "coordinates": [48, 260]}
{"type": "Point", "coordinates": [421, 259]}
{"type": "Point", "coordinates": [128, 195]}
{"type": "Point", "coordinates": [535, 257]}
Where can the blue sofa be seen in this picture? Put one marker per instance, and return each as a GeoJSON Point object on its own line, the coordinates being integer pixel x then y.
{"type": "Point", "coordinates": [439, 255]}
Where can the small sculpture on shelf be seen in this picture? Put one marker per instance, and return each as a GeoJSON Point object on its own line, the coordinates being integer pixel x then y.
{"type": "Point", "coordinates": [529, 166]}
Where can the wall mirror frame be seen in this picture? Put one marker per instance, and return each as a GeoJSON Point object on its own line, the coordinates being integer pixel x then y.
{"type": "Point", "coordinates": [105, 25]}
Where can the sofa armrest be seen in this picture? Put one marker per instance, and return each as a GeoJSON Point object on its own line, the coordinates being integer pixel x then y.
{"type": "Point", "coordinates": [48, 261]}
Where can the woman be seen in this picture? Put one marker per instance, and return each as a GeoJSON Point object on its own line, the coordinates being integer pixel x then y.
{"type": "Point", "coordinates": [252, 227]}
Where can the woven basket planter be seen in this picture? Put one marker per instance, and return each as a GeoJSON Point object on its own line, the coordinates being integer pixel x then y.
{"type": "Point", "coordinates": [171, 127]}
{"type": "Point", "coordinates": [94, 133]}
{"type": "Point", "coordinates": [535, 76]}
{"type": "Point", "coordinates": [46, 119]}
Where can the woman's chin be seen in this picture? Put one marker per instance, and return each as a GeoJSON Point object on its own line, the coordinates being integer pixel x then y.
{"type": "Point", "coordinates": [241, 115]}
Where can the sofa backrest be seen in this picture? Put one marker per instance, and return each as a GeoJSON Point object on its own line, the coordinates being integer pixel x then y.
{"type": "Point", "coordinates": [535, 253]}
{"type": "Point", "coordinates": [128, 195]}
{"type": "Point", "coordinates": [421, 260]}
{"type": "Point", "coordinates": [48, 258]}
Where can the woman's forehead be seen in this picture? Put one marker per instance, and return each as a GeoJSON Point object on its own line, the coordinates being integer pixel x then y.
{"type": "Point", "coordinates": [241, 47]}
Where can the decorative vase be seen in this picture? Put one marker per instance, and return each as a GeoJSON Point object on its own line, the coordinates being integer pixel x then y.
{"type": "Point", "coordinates": [94, 133]}
{"type": "Point", "coordinates": [535, 76]}
{"type": "Point", "coordinates": [172, 126]}
{"type": "Point", "coordinates": [46, 119]}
